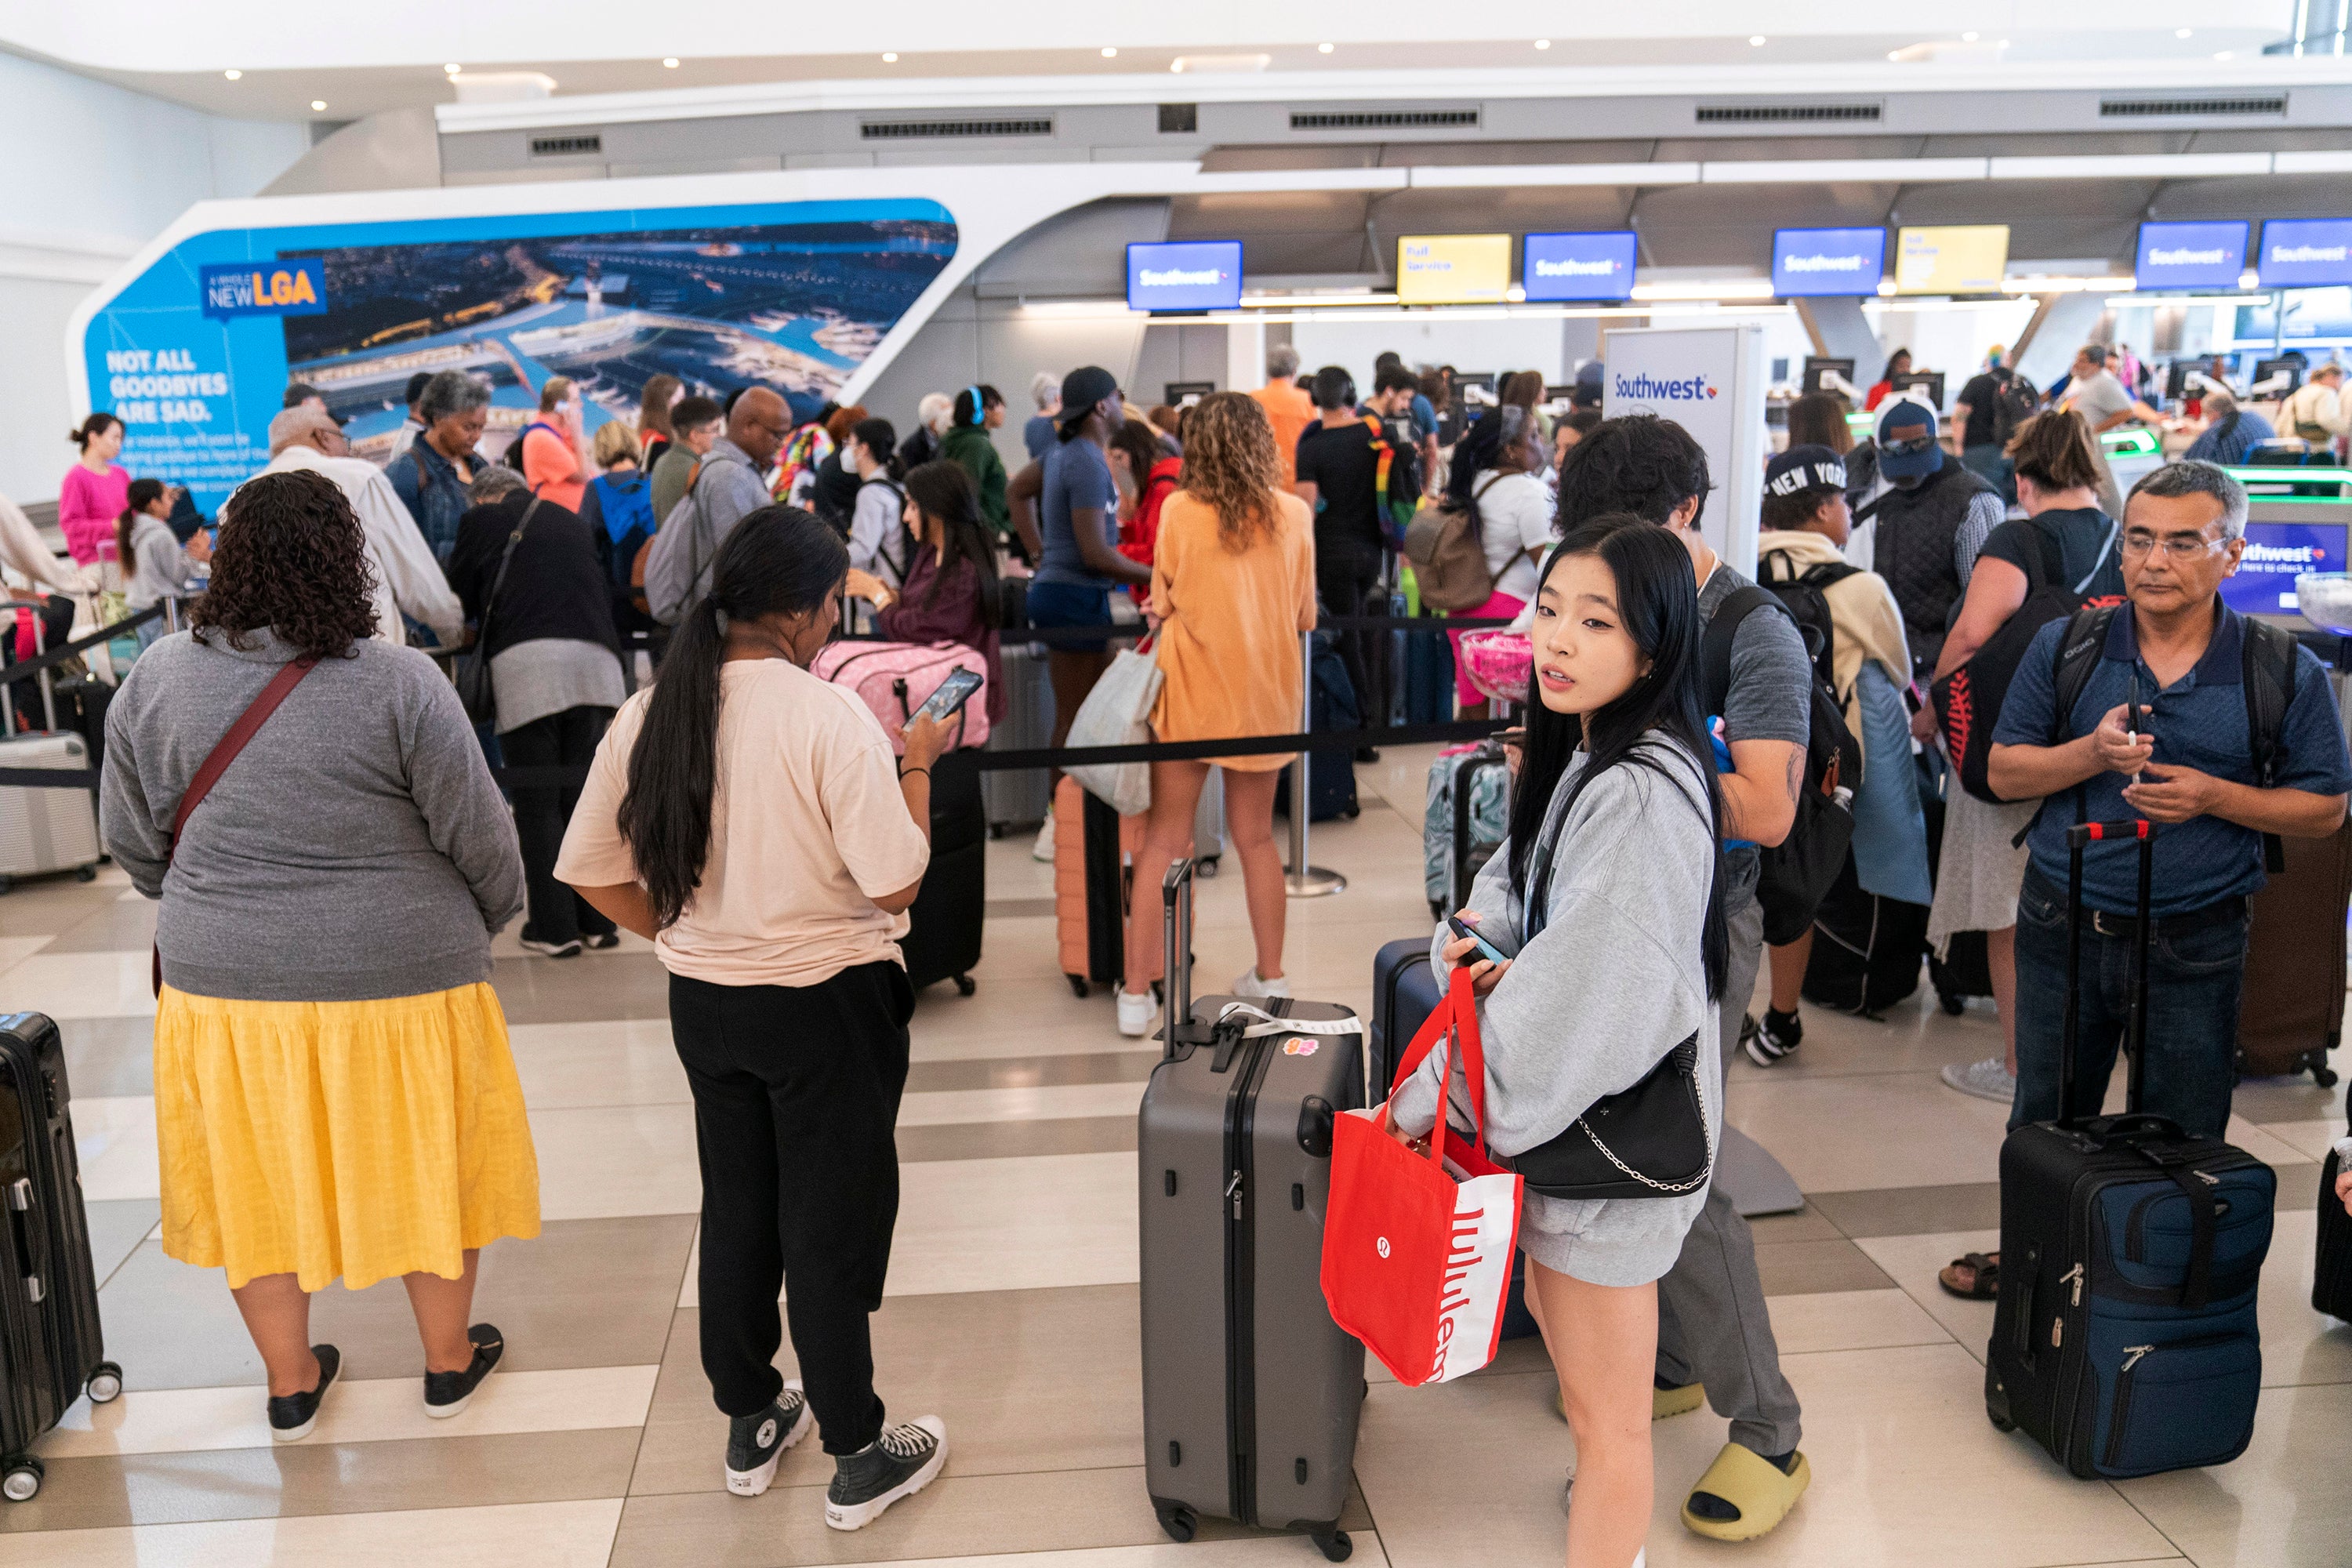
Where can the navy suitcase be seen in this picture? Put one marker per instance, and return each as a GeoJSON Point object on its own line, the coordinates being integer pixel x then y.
{"type": "Point", "coordinates": [52, 1349]}
{"type": "Point", "coordinates": [943, 923]}
{"type": "Point", "coordinates": [2126, 1342]}
{"type": "Point", "coordinates": [1330, 774]}
{"type": "Point", "coordinates": [2331, 1276]}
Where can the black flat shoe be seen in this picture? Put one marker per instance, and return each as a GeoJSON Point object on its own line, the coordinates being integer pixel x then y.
{"type": "Point", "coordinates": [449, 1392]}
{"type": "Point", "coordinates": [292, 1416]}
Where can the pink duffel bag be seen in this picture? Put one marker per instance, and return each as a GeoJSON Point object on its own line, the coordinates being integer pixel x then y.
{"type": "Point", "coordinates": [1499, 663]}
{"type": "Point", "coordinates": [897, 678]}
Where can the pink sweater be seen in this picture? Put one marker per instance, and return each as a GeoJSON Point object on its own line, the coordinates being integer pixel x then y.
{"type": "Point", "coordinates": [88, 505]}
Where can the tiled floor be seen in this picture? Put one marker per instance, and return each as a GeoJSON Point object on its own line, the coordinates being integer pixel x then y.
{"type": "Point", "coordinates": [1011, 1307]}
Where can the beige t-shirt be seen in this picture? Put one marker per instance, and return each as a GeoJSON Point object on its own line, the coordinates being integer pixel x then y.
{"type": "Point", "coordinates": [807, 827]}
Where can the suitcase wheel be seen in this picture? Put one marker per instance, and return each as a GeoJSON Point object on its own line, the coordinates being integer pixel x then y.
{"type": "Point", "coordinates": [1997, 1404]}
{"type": "Point", "coordinates": [7, 884]}
{"type": "Point", "coordinates": [86, 874]}
{"type": "Point", "coordinates": [23, 1479]}
{"type": "Point", "coordinates": [1077, 985]}
{"type": "Point", "coordinates": [105, 1384]}
{"type": "Point", "coordinates": [1176, 1519]}
{"type": "Point", "coordinates": [1952, 1002]}
{"type": "Point", "coordinates": [964, 986]}
{"type": "Point", "coordinates": [1334, 1544]}
{"type": "Point", "coordinates": [2323, 1075]}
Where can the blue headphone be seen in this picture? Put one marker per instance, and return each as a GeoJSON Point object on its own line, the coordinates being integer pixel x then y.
{"type": "Point", "coordinates": [978, 414]}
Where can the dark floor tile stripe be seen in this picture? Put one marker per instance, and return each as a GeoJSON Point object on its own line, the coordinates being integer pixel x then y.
{"type": "Point", "coordinates": [1911, 1211]}
{"type": "Point", "coordinates": [1004, 1139]}
{"type": "Point", "coordinates": [1018, 908]}
{"type": "Point", "coordinates": [1032, 1073]}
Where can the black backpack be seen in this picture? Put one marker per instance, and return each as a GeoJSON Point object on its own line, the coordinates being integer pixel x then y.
{"type": "Point", "coordinates": [512, 455]}
{"type": "Point", "coordinates": [2265, 673]}
{"type": "Point", "coordinates": [2015, 400]}
{"type": "Point", "coordinates": [1968, 701]}
{"type": "Point", "coordinates": [1797, 872]}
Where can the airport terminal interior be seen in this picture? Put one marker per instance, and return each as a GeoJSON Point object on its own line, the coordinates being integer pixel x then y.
{"type": "Point", "coordinates": [1836, 249]}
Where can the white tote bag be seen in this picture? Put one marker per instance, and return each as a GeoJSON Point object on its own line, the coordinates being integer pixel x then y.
{"type": "Point", "coordinates": [1118, 712]}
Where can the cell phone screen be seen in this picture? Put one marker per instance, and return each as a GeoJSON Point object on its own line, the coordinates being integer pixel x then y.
{"type": "Point", "coordinates": [951, 695]}
{"type": "Point", "coordinates": [1485, 949]}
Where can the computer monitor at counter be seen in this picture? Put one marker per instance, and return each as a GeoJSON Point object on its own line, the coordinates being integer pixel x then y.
{"type": "Point", "coordinates": [2285, 539]}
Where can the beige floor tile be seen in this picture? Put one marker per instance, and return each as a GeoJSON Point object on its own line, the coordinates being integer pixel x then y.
{"type": "Point", "coordinates": [117, 925]}
{"type": "Point", "coordinates": [116, 1226]}
{"type": "Point", "coordinates": [2265, 1143]}
{"type": "Point", "coordinates": [1799, 1267]}
{"type": "Point", "coordinates": [592, 988]}
{"type": "Point", "coordinates": [15, 950]}
{"type": "Point", "coordinates": [378, 1410]}
{"type": "Point", "coordinates": [84, 984]}
{"type": "Point", "coordinates": [115, 1137]}
{"type": "Point", "coordinates": [1911, 1261]}
{"type": "Point", "coordinates": [621, 1061]}
{"type": "Point", "coordinates": [2282, 1504]}
{"type": "Point", "coordinates": [293, 1479]}
{"type": "Point", "coordinates": [1912, 1035]}
{"type": "Point", "coordinates": [1912, 1210]}
{"type": "Point", "coordinates": [1850, 1320]}
{"type": "Point", "coordinates": [947, 1107]}
{"type": "Point", "coordinates": [2262, 1100]}
{"type": "Point", "coordinates": [1246, 1551]}
{"type": "Point", "coordinates": [2312, 1140]}
{"type": "Point", "coordinates": [520, 1535]}
{"type": "Point", "coordinates": [2299, 1346]}
{"type": "Point", "coordinates": [109, 1056]}
{"type": "Point", "coordinates": [1878, 1130]}
{"type": "Point", "coordinates": [599, 1162]}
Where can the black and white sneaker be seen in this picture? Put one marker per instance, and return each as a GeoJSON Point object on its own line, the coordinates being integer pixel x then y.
{"type": "Point", "coordinates": [1774, 1039]}
{"type": "Point", "coordinates": [898, 1464]}
{"type": "Point", "coordinates": [550, 948]}
{"type": "Point", "coordinates": [755, 1443]}
{"type": "Point", "coordinates": [602, 941]}
{"type": "Point", "coordinates": [292, 1416]}
{"type": "Point", "coordinates": [449, 1392]}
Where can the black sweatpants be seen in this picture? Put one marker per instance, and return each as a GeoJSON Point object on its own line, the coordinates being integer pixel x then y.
{"type": "Point", "coordinates": [1348, 584]}
{"type": "Point", "coordinates": [795, 1101]}
{"type": "Point", "coordinates": [568, 738]}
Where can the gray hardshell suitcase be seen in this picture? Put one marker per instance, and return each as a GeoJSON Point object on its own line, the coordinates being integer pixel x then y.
{"type": "Point", "coordinates": [1250, 1393]}
{"type": "Point", "coordinates": [1016, 799]}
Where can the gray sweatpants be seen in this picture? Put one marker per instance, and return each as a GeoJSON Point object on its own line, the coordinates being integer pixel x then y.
{"type": "Point", "coordinates": [1712, 1323]}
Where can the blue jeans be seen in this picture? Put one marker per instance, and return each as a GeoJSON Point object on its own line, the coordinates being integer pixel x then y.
{"type": "Point", "coordinates": [1070, 604]}
{"type": "Point", "coordinates": [2194, 975]}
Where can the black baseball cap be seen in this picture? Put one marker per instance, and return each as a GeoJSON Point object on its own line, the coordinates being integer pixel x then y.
{"type": "Point", "coordinates": [1082, 389]}
{"type": "Point", "coordinates": [1804, 467]}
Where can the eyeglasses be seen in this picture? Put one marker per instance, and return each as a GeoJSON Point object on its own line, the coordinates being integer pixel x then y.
{"type": "Point", "coordinates": [1915, 444]}
{"type": "Point", "coordinates": [2179, 546]}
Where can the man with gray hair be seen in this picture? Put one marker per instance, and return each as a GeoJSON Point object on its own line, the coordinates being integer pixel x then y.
{"type": "Point", "coordinates": [1288, 406]}
{"type": "Point", "coordinates": [408, 584]}
{"type": "Point", "coordinates": [1037, 436]}
{"type": "Point", "coordinates": [2236, 739]}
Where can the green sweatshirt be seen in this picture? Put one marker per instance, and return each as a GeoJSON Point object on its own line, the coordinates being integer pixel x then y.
{"type": "Point", "coordinates": [970, 445]}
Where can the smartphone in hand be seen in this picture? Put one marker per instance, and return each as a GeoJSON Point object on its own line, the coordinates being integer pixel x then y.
{"type": "Point", "coordinates": [2131, 715]}
{"type": "Point", "coordinates": [949, 695]}
{"type": "Point", "coordinates": [1485, 949]}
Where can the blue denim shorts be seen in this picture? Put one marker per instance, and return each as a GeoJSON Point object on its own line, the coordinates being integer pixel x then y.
{"type": "Point", "coordinates": [1070, 604]}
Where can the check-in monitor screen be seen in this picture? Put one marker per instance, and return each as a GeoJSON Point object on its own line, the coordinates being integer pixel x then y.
{"type": "Point", "coordinates": [2276, 554]}
{"type": "Point", "coordinates": [1579, 266]}
{"type": "Point", "coordinates": [1827, 261]}
{"type": "Point", "coordinates": [1188, 275]}
{"type": "Point", "coordinates": [2306, 253]}
{"type": "Point", "coordinates": [2190, 255]}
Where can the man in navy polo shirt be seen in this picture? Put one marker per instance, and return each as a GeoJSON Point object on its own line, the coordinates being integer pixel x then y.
{"type": "Point", "coordinates": [2184, 530]}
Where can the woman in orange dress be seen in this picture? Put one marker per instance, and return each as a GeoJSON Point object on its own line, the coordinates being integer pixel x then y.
{"type": "Point", "coordinates": [1233, 584]}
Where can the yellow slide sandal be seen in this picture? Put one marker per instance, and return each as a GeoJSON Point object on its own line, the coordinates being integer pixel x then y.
{"type": "Point", "coordinates": [1750, 1489]}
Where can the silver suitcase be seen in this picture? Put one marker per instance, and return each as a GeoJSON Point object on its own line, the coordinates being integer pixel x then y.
{"type": "Point", "coordinates": [1209, 823]}
{"type": "Point", "coordinates": [1017, 800]}
{"type": "Point", "coordinates": [46, 830]}
{"type": "Point", "coordinates": [1250, 1393]}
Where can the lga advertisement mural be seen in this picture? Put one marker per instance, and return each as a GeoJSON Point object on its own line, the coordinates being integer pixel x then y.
{"type": "Point", "coordinates": [194, 354]}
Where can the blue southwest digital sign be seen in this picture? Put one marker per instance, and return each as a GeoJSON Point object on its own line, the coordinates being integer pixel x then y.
{"type": "Point", "coordinates": [2306, 253]}
{"type": "Point", "coordinates": [1189, 275]}
{"type": "Point", "coordinates": [1819, 261]}
{"type": "Point", "coordinates": [1579, 266]}
{"type": "Point", "coordinates": [2190, 254]}
{"type": "Point", "coordinates": [2276, 553]}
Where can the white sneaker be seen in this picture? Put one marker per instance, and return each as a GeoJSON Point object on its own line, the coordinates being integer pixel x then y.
{"type": "Point", "coordinates": [1987, 1080]}
{"type": "Point", "coordinates": [1248, 984]}
{"type": "Point", "coordinates": [1136, 1012]}
{"type": "Point", "coordinates": [1043, 848]}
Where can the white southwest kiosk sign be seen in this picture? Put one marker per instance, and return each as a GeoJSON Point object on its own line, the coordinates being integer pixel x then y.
{"type": "Point", "coordinates": [1709, 380]}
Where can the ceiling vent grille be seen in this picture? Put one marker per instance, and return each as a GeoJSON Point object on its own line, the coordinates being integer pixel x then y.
{"type": "Point", "coordinates": [1387, 120]}
{"type": "Point", "coordinates": [1787, 113]}
{"type": "Point", "coordinates": [910, 130]}
{"type": "Point", "coordinates": [2141, 107]}
{"type": "Point", "coordinates": [566, 146]}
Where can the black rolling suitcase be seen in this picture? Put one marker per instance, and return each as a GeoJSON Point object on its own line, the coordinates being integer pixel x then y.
{"type": "Point", "coordinates": [1251, 1393]}
{"type": "Point", "coordinates": [943, 923]}
{"type": "Point", "coordinates": [51, 1350]}
{"type": "Point", "coordinates": [1866, 948]}
{"type": "Point", "coordinates": [2125, 1341]}
{"type": "Point", "coordinates": [2331, 1276]}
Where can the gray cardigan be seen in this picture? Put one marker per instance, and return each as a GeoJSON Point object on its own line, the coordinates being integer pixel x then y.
{"type": "Point", "coordinates": [355, 850]}
{"type": "Point", "coordinates": [1611, 983]}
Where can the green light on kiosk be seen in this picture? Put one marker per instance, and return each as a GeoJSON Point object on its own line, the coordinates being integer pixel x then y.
{"type": "Point", "coordinates": [2139, 442]}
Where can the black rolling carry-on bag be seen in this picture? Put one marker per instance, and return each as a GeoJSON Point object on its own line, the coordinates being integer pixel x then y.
{"type": "Point", "coordinates": [2125, 1341]}
{"type": "Point", "coordinates": [943, 923]}
{"type": "Point", "coordinates": [1251, 1393]}
{"type": "Point", "coordinates": [51, 1350]}
{"type": "Point", "coordinates": [2331, 1276]}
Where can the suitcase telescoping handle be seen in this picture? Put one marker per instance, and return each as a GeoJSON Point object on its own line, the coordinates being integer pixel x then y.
{"type": "Point", "coordinates": [1176, 905]}
{"type": "Point", "coordinates": [2136, 1017]}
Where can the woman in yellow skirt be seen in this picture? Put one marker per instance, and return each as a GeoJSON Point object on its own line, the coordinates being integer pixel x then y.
{"type": "Point", "coordinates": [334, 1092]}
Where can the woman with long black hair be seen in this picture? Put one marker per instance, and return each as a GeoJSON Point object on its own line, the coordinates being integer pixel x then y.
{"type": "Point", "coordinates": [752, 820]}
{"type": "Point", "coordinates": [950, 594]}
{"type": "Point", "coordinates": [1610, 889]}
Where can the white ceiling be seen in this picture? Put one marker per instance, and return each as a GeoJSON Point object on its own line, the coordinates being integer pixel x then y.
{"type": "Point", "coordinates": [360, 59]}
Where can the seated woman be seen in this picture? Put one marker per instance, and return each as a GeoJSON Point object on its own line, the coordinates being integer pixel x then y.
{"type": "Point", "coordinates": [950, 590]}
{"type": "Point", "coordinates": [155, 565]}
{"type": "Point", "coordinates": [1609, 893]}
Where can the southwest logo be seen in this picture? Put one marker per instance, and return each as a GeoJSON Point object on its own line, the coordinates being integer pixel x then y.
{"type": "Point", "coordinates": [286, 287]}
{"type": "Point", "coordinates": [1645, 387]}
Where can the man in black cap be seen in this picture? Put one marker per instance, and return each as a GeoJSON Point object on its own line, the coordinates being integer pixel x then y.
{"type": "Point", "coordinates": [1339, 481]}
{"type": "Point", "coordinates": [1931, 525]}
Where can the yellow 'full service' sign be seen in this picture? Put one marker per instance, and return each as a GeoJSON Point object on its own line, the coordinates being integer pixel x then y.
{"type": "Point", "coordinates": [1453, 268]}
{"type": "Point", "coordinates": [1968, 258]}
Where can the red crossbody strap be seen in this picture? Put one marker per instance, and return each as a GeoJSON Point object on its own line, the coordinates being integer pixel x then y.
{"type": "Point", "coordinates": [1457, 1014]}
{"type": "Point", "coordinates": [249, 722]}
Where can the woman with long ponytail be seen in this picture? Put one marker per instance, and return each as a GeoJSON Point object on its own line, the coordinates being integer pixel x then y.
{"type": "Point", "coordinates": [752, 821]}
{"type": "Point", "coordinates": [1608, 899]}
{"type": "Point", "coordinates": [155, 565]}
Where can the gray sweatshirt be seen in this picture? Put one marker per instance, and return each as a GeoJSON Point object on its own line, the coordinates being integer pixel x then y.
{"type": "Point", "coordinates": [355, 850]}
{"type": "Point", "coordinates": [1613, 982]}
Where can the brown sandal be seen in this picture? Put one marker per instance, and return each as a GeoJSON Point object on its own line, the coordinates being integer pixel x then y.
{"type": "Point", "coordinates": [1982, 1273]}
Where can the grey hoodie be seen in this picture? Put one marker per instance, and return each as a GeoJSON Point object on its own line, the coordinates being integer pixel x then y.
{"type": "Point", "coordinates": [1611, 983]}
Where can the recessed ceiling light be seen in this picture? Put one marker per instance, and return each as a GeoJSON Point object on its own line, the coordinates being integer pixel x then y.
{"type": "Point", "coordinates": [1756, 40]}
{"type": "Point", "coordinates": [232, 75]}
{"type": "Point", "coordinates": [669, 62]}
{"type": "Point", "coordinates": [317, 104]}
{"type": "Point", "coordinates": [1967, 38]}
{"type": "Point", "coordinates": [1322, 49]}
{"type": "Point", "coordinates": [1110, 54]}
{"type": "Point", "coordinates": [2183, 32]}
{"type": "Point", "coordinates": [2003, 44]}
{"type": "Point", "coordinates": [2227, 55]}
{"type": "Point", "coordinates": [891, 59]}
{"type": "Point", "coordinates": [1543, 43]}
{"type": "Point", "coordinates": [1894, 53]}
{"type": "Point", "coordinates": [452, 68]}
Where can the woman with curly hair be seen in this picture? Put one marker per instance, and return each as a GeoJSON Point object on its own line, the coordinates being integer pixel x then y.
{"type": "Point", "coordinates": [1233, 584]}
{"type": "Point", "coordinates": [334, 1092]}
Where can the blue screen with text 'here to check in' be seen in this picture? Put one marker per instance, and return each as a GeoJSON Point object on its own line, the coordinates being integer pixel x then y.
{"type": "Point", "coordinates": [2277, 554]}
